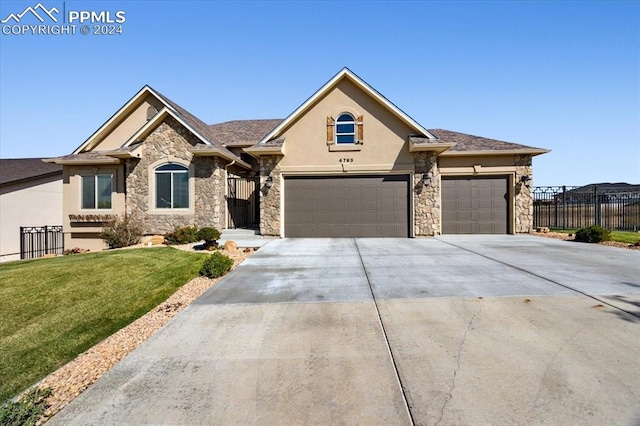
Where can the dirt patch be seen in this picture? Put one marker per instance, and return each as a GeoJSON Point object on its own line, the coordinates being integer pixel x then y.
{"type": "Point", "coordinates": [73, 378]}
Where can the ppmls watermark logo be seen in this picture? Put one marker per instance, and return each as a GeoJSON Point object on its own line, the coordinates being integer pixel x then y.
{"type": "Point", "coordinates": [40, 20]}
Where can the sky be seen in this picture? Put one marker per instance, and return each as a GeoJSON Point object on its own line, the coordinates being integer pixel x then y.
{"type": "Point", "coordinates": [558, 75]}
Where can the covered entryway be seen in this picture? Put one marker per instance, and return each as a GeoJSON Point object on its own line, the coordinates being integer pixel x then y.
{"type": "Point", "coordinates": [243, 202]}
{"type": "Point", "coordinates": [475, 205]}
{"type": "Point", "coordinates": [353, 206]}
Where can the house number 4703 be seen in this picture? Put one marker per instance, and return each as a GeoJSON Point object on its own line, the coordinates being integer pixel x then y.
{"type": "Point", "coordinates": [346, 160]}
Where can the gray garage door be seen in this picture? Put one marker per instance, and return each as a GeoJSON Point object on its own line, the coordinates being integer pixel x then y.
{"type": "Point", "coordinates": [356, 206]}
{"type": "Point", "coordinates": [475, 205]}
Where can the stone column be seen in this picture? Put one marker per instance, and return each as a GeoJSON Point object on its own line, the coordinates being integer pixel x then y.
{"type": "Point", "coordinates": [270, 197]}
{"type": "Point", "coordinates": [426, 196]}
{"type": "Point", "coordinates": [523, 195]}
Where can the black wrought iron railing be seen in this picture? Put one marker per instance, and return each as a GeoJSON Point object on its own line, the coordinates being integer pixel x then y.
{"type": "Point", "coordinates": [36, 241]}
{"type": "Point", "coordinates": [570, 207]}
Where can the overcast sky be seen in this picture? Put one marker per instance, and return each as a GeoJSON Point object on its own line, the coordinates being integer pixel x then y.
{"type": "Point", "coordinates": [557, 75]}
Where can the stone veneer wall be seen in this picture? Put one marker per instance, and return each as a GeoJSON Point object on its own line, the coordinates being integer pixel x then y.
{"type": "Point", "coordinates": [270, 197]}
{"type": "Point", "coordinates": [427, 197]}
{"type": "Point", "coordinates": [523, 195]}
{"type": "Point", "coordinates": [171, 139]}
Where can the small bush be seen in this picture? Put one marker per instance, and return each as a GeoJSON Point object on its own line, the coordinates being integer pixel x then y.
{"type": "Point", "coordinates": [124, 231]}
{"type": "Point", "coordinates": [592, 234]}
{"type": "Point", "coordinates": [210, 236]}
{"type": "Point", "coordinates": [185, 235]}
{"type": "Point", "coordinates": [27, 410]}
{"type": "Point", "coordinates": [216, 265]}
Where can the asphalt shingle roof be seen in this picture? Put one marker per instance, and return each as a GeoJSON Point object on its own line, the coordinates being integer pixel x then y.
{"type": "Point", "coordinates": [17, 169]}
{"type": "Point", "coordinates": [465, 142]}
{"type": "Point", "coordinates": [243, 132]}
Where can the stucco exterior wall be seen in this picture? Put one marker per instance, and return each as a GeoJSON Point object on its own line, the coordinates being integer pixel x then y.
{"type": "Point", "coordinates": [34, 203]}
{"type": "Point", "coordinates": [83, 233]}
{"type": "Point", "coordinates": [270, 198]}
{"type": "Point", "coordinates": [127, 125]}
{"type": "Point", "coordinates": [169, 142]}
{"type": "Point", "coordinates": [384, 148]}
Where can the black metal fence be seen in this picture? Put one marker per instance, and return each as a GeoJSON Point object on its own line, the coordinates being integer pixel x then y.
{"type": "Point", "coordinates": [36, 241]}
{"type": "Point", "coordinates": [569, 207]}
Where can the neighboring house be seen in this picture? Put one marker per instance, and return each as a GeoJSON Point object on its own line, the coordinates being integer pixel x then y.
{"type": "Point", "coordinates": [30, 195]}
{"type": "Point", "coordinates": [620, 192]}
{"type": "Point", "coordinates": [346, 163]}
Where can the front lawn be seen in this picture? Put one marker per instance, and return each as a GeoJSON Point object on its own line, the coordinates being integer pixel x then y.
{"type": "Point", "coordinates": [619, 236]}
{"type": "Point", "coordinates": [54, 309]}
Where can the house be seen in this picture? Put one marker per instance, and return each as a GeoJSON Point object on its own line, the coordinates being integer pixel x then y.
{"type": "Point", "coordinates": [30, 196]}
{"type": "Point", "coordinates": [345, 163]}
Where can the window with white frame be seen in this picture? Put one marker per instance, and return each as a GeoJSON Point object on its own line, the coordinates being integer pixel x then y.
{"type": "Point", "coordinates": [96, 191]}
{"type": "Point", "coordinates": [345, 129]}
{"type": "Point", "coordinates": [172, 186]}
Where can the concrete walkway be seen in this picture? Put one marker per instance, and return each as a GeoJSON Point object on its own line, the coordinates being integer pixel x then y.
{"type": "Point", "coordinates": [453, 330]}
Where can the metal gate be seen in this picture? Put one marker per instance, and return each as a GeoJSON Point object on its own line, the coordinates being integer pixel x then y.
{"type": "Point", "coordinates": [36, 241]}
{"type": "Point", "coordinates": [243, 202]}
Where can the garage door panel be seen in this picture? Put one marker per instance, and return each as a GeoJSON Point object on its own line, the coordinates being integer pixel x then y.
{"type": "Point", "coordinates": [475, 205]}
{"type": "Point", "coordinates": [347, 206]}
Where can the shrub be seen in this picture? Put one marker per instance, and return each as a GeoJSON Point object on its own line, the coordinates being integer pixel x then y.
{"type": "Point", "coordinates": [592, 234]}
{"type": "Point", "coordinates": [210, 236]}
{"type": "Point", "coordinates": [124, 231]}
{"type": "Point", "coordinates": [185, 235]}
{"type": "Point", "coordinates": [27, 410]}
{"type": "Point", "coordinates": [216, 265]}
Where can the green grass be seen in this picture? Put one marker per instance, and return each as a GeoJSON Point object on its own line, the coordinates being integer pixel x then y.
{"type": "Point", "coordinates": [54, 309]}
{"type": "Point", "coordinates": [625, 237]}
{"type": "Point", "coordinates": [620, 236]}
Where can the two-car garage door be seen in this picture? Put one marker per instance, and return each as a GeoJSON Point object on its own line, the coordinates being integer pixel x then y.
{"type": "Point", "coordinates": [346, 206]}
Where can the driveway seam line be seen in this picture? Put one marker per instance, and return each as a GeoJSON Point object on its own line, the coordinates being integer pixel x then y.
{"type": "Point", "coordinates": [546, 279]}
{"type": "Point", "coordinates": [386, 338]}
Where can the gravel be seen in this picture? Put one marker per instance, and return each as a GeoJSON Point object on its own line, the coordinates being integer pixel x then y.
{"type": "Point", "coordinates": [73, 378]}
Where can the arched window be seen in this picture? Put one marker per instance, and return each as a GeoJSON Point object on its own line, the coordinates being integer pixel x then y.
{"type": "Point", "coordinates": [345, 129]}
{"type": "Point", "coordinates": [172, 186]}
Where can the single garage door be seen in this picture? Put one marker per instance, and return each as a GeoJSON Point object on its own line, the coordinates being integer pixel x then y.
{"type": "Point", "coordinates": [354, 206]}
{"type": "Point", "coordinates": [475, 205]}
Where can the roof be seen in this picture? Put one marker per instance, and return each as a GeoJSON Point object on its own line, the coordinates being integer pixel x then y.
{"type": "Point", "coordinates": [20, 169]}
{"type": "Point", "coordinates": [469, 143]}
{"type": "Point", "coordinates": [85, 158]}
{"type": "Point", "coordinates": [243, 132]}
{"type": "Point", "coordinates": [193, 123]}
{"type": "Point", "coordinates": [346, 73]}
{"type": "Point", "coordinates": [608, 187]}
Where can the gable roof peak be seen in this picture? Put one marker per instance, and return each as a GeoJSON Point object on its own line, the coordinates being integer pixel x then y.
{"type": "Point", "coordinates": [364, 86]}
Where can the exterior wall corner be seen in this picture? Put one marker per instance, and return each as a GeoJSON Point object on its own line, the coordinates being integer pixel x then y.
{"type": "Point", "coordinates": [427, 208]}
{"type": "Point", "coordinates": [523, 195]}
{"type": "Point", "coordinates": [270, 205]}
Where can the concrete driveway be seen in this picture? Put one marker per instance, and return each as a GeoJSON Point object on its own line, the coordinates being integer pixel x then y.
{"type": "Point", "coordinates": [450, 330]}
